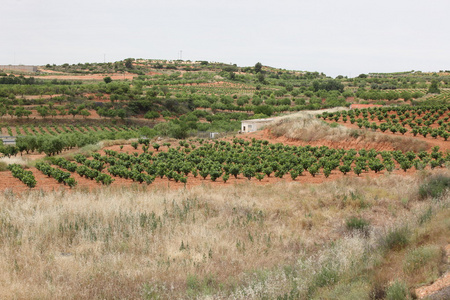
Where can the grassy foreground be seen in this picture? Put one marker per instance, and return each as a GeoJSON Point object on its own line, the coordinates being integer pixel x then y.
{"type": "Point", "coordinates": [288, 240]}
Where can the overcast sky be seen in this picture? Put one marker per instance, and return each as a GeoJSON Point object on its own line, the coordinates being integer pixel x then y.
{"type": "Point", "coordinates": [346, 37]}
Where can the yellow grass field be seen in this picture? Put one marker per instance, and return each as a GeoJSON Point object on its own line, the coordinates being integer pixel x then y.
{"type": "Point", "coordinates": [243, 241]}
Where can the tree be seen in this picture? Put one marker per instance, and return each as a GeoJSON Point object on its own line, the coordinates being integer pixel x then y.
{"type": "Point", "coordinates": [85, 113]}
{"type": "Point", "coordinates": [107, 79]}
{"type": "Point", "coordinates": [26, 143]}
{"type": "Point", "coordinates": [121, 113]}
{"type": "Point", "coordinates": [261, 77]}
{"type": "Point", "coordinates": [129, 63]}
{"type": "Point", "coordinates": [43, 111]}
{"type": "Point", "coordinates": [73, 111]}
{"type": "Point", "coordinates": [9, 150]}
{"type": "Point", "coordinates": [151, 115]}
{"type": "Point", "coordinates": [434, 87]}
{"type": "Point", "coordinates": [258, 67]}
{"type": "Point", "coordinates": [264, 109]}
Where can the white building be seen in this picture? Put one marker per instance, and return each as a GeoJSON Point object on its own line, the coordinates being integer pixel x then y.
{"type": "Point", "coordinates": [254, 125]}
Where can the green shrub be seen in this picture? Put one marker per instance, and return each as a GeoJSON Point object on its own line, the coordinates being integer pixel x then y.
{"type": "Point", "coordinates": [3, 166]}
{"type": "Point", "coordinates": [421, 257]}
{"type": "Point", "coordinates": [397, 238]}
{"type": "Point", "coordinates": [434, 187]}
{"type": "Point", "coordinates": [357, 223]}
{"type": "Point", "coordinates": [327, 276]}
{"type": "Point", "coordinates": [344, 291]}
{"type": "Point", "coordinates": [397, 291]}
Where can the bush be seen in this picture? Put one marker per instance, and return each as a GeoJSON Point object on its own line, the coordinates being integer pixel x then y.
{"type": "Point", "coordinates": [397, 239]}
{"type": "Point", "coordinates": [421, 257]}
{"type": "Point", "coordinates": [151, 115]}
{"type": "Point", "coordinates": [355, 223]}
{"type": "Point", "coordinates": [397, 291]}
{"type": "Point", "coordinates": [434, 187]}
{"type": "Point", "coordinates": [3, 166]}
{"type": "Point", "coordinates": [327, 276]}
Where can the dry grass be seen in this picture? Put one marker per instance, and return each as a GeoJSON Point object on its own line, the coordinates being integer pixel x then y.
{"type": "Point", "coordinates": [14, 160]}
{"type": "Point", "coordinates": [241, 241]}
{"type": "Point", "coordinates": [306, 127]}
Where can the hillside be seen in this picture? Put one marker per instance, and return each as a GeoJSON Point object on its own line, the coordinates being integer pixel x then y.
{"type": "Point", "coordinates": [114, 189]}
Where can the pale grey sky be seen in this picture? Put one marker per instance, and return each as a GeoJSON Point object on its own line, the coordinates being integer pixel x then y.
{"type": "Point", "coordinates": [345, 37]}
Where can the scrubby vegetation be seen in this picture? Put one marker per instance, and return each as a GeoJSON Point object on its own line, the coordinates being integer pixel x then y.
{"type": "Point", "coordinates": [243, 242]}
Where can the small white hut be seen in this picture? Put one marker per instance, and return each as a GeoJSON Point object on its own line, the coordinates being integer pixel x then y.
{"type": "Point", "coordinates": [254, 125]}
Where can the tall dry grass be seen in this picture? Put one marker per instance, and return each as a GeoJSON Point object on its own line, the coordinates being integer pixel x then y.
{"type": "Point", "coordinates": [306, 127]}
{"type": "Point", "coordinates": [240, 241]}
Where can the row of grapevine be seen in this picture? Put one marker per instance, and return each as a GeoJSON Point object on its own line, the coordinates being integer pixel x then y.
{"type": "Point", "coordinates": [26, 177]}
{"type": "Point", "coordinates": [259, 159]}
{"type": "Point", "coordinates": [83, 170]}
{"type": "Point", "coordinates": [59, 175]}
{"type": "Point", "coordinates": [424, 121]}
{"type": "Point", "coordinates": [221, 159]}
{"type": "Point", "coordinates": [56, 130]}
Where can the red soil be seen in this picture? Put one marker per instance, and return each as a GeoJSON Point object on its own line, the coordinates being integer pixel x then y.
{"type": "Point", "coordinates": [364, 105]}
{"type": "Point", "coordinates": [49, 184]}
{"type": "Point", "coordinates": [7, 181]}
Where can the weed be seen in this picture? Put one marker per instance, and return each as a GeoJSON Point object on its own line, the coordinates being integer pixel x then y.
{"type": "Point", "coordinates": [328, 275]}
{"type": "Point", "coordinates": [397, 238]}
{"type": "Point", "coordinates": [149, 292]}
{"type": "Point", "coordinates": [421, 257]}
{"type": "Point", "coordinates": [397, 291]}
{"type": "Point", "coordinates": [3, 166]}
{"type": "Point", "coordinates": [426, 216]}
{"type": "Point", "coordinates": [434, 187]}
{"type": "Point", "coordinates": [346, 291]}
{"type": "Point", "coordinates": [354, 133]}
{"type": "Point", "coordinates": [357, 223]}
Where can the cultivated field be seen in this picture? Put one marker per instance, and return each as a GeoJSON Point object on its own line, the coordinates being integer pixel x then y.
{"type": "Point", "coordinates": [113, 191]}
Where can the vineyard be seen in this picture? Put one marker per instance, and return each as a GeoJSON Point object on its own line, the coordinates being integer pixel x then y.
{"type": "Point", "coordinates": [425, 121]}
{"type": "Point", "coordinates": [109, 188]}
{"type": "Point", "coordinates": [55, 130]}
{"type": "Point", "coordinates": [239, 159]}
{"type": "Point", "coordinates": [54, 139]}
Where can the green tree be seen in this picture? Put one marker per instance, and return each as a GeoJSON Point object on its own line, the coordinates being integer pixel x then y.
{"type": "Point", "coordinates": [258, 67]}
{"type": "Point", "coordinates": [261, 78]}
{"type": "Point", "coordinates": [434, 87]}
{"type": "Point", "coordinates": [129, 63]}
{"type": "Point", "coordinates": [85, 113]}
{"type": "Point", "coordinates": [43, 111]}
{"type": "Point", "coordinates": [264, 109]}
{"type": "Point", "coordinates": [151, 115]}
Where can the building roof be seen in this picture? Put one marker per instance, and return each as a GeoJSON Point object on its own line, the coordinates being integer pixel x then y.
{"type": "Point", "coordinates": [259, 120]}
